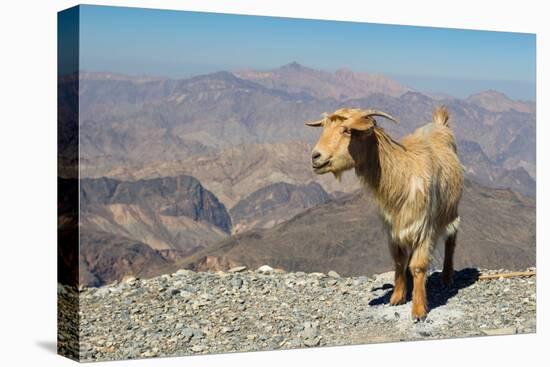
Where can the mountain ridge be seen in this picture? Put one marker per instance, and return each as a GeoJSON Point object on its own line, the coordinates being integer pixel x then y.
{"type": "Point", "coordinates": [165, 121]}
{"type": "Point", "coordinates": [341, 84]}
{"type": "Point", "coordinates": [346, 235]}
{"type": "Point", "coordinates": [494, 100]}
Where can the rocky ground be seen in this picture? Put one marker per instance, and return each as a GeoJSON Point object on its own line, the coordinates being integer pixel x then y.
{"type": "Point", "coordinates": [241, 310]}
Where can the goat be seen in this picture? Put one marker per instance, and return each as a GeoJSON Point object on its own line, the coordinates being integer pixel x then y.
{"type": "Point", "coordinates": [417, 185]}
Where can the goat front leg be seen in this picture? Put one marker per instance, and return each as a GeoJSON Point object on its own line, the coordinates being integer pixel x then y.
{"type": "Point", "coordinates": [400, 258]}
{"type": "Point", "coordinates": [419, 267]}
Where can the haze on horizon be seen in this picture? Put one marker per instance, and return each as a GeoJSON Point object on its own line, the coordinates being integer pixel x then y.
{"type": "Point", "coordinates": [180, 44]}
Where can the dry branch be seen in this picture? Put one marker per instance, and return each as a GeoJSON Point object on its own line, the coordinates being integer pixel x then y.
{"type": "Point", "coordinates": [507, 275]}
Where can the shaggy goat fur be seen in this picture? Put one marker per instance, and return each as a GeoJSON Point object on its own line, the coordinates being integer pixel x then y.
{"type": "Point", "coordinates": [417, 184]}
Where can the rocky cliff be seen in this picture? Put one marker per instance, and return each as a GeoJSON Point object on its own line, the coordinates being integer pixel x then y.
{"type": "Point", "coordinates": [140, 227]}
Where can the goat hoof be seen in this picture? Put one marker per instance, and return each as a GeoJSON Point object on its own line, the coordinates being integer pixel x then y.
{"type": "Point", "coordinates": [397, 299]}
{"type": "Point", "coordinates": [417, 319]}
{"type": "Point", "coordinates": [419, 315]}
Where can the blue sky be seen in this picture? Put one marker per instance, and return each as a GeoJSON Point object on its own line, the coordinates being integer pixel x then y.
{"type": "Point", "coordinates": [180, 44]}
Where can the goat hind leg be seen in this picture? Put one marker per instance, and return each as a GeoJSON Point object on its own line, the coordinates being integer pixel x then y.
{"type": "Point", "coordinates": [450, 244]}
{"type": "Point", "coordinates": [448, 271]}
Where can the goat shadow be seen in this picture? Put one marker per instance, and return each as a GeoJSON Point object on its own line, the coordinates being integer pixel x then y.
{"type": "Point", "coordinates": [438, 294]}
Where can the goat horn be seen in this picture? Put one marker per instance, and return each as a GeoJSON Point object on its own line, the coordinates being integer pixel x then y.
{"type": "Point", "coordinates": [379, 113]}
{"type": "Point", "coordinates": [318, 122]}
{"type": "Point", "coordinates": [315, 123]}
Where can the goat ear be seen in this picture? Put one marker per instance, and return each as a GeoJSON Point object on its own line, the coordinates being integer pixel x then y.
{"type": "Point", "coordinates": [360, 123]}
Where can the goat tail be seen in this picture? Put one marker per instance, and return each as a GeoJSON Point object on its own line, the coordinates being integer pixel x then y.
{"type": "Point", "coordinates": [441, 116]}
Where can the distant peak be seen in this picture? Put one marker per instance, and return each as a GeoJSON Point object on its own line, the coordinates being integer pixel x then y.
{"type": "Point", "coordinates": [414, 95]}
{"type": "Point", "coordinates": [493, 100]}
{"type": "Point", "coordinates": [293, 66]}
{"type": "Point", "coordinates": [218, 75]}
{"type": "Point", "coordinates": [489, 93]}
{"type": "Point", "coordinates": [344, 71]}
{"type": "Point", "coordinates": [223, 73]}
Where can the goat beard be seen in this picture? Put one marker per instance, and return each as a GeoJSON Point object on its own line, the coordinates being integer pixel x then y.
{"type": "Point", "coordinates": [338, 176]}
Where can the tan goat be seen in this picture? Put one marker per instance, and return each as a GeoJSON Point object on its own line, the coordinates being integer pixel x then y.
{"type": "Point", "coordinates": [417, 184]}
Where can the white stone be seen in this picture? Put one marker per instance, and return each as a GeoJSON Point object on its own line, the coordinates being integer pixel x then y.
{"type": "Point", "coordinates": [237, 269]}
{"type": "Point", "coordinates": [265, 269]}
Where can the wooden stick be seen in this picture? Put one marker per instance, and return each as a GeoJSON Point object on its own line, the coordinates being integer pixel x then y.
{"type": "Point", "coordinates": [507, 275]}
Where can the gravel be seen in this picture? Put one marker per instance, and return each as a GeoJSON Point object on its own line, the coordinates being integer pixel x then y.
{"type": "Point", "coordinates": [189, 313]}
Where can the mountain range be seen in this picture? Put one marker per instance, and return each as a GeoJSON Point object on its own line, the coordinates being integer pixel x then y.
{"type": "Point", "coordinates": [159, 122]}
{"type": "Point", "coordinates": [213, 171]}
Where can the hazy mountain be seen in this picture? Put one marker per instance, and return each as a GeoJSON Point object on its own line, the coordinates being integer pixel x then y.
{"type": "Point", "coordinates": [274, 204]}
{"type": "Point", "coordinates": [487, 172]}
{"type": "Point", "coordinates": [518, 177]}
{"type": "Point", "coordinates": [98, 75]}
{"type": "Point", "coordinates": [342, 84]}
{"type": "Point", "coordinates": [346, 235]}
{"type": "Point", "coordinates": [127, 125]}
{"type": "Point", "coordinates": [119, 117]}
{"type": "Point", "coordinates": [236, 172]}
{"type": "Point", "coordinates": [496, 101]}
{"type": "Point", "coordinates": [517, 155]}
